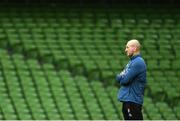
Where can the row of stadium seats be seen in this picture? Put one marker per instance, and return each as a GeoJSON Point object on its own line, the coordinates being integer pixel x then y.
{"type": "Point", "coordinates": [87, 47]}
{"type": "Point", "coordinates": [55, 61]}
{"type": "Point", "coordinates": [30, 90]}
{"type": "Point", "coordinates": [107, 49]}
{"type": "Point", "coordinates": [38, 91]}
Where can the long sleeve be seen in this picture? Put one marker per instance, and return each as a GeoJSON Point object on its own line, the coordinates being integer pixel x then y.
{"type": "Point", "coordinates": [119, 76]}
{"type": "Point", "coordinates": [132, 80]}
{"type": "Point", "coordinates": [129, 73]}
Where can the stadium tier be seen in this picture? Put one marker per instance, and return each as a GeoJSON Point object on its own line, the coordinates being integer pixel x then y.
{"type": "Point", "coordinates": [30, 90]}
{"type": "Point", "coordinates": [61, 62]}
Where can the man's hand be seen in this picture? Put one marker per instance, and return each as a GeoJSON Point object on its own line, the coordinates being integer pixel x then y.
{"type": "Point", "coordinates": [122, 73]}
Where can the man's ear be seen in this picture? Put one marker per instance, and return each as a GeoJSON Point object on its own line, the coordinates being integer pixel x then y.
{"type": "Point", "coordinates": [133, 49]}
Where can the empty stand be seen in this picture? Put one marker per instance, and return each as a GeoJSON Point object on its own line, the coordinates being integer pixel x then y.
{"type": "Point", "coordinates": [60, 63]}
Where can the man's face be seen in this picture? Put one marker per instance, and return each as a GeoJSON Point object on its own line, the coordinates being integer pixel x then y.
{"type": "Point", "coordinates": [129, 50]}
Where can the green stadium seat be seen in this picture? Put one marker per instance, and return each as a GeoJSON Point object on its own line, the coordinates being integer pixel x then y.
{"type": "Point", "coordinates": [176, 110]}
{"type": "Point", "coordinates": [175, 64]}
{"type": "Point", "coordinates": [152, 111]}
{"type": "Point", "coordinates": [152, 64]}
{"type": "Point", "coordinates": [143, 22]}
{"type": "Point", "coordinates": [165, 111]}
{"type": "Point", "coordinates": [165, 64]}
{"type": "Point", "coordinates": [8, 110]}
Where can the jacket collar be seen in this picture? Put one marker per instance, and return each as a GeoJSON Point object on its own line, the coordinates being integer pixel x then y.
{"type": "Point", "coordinates": [135, 56]}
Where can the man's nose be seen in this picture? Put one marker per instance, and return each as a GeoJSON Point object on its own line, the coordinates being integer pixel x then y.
{"type": "Point", "coordinates": [125, 50]}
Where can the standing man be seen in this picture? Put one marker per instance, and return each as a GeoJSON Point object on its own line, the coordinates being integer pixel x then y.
{"type": "Point", "coordinates": [132, 80]}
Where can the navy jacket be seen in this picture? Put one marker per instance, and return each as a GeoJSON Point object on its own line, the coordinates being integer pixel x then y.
{"type": "Point", "coordinates": [132, 80]}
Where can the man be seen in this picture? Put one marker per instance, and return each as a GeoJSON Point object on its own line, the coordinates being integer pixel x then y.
{"type": "Point", "coordinates": [132, 80]}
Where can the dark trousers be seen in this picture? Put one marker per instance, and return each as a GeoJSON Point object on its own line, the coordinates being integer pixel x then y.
{"type": "Point", "coordinates": [132, 111]}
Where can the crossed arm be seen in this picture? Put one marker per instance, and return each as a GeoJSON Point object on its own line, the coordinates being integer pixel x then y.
{"type": "Point", "coordinates": [127, 75]}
